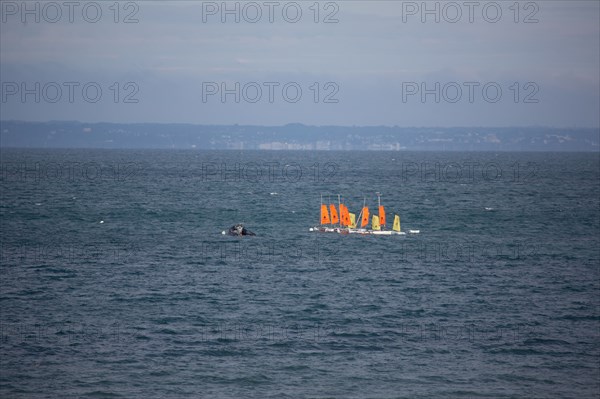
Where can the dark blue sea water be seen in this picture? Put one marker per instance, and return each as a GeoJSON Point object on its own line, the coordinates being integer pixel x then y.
{"type": "Point", "coordinates": [498, 296]}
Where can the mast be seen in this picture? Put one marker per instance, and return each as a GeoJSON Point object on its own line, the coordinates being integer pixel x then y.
{"type": "Point", "coordinates": [361, 211]}
{"type": "Point", "coordinates": [324, 213]}
{"type": "Point", "coordinates": [340, 212]}
{"type": "Point", "coordinates": [329, 206]}
{"type": "Point", "coordinates": [365, 215]}
{"type": "Point", "coordinates": [321, 221]}
{"type": "Point", "coordinates": [329, 202]}
{"type": "Point", "coordinates": [379, 206]}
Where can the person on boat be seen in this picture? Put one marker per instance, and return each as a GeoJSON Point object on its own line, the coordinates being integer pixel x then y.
{"type": "Point", "coordinates": [239, 230]}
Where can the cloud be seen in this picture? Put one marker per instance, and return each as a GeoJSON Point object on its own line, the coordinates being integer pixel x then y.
{"type": "Point", "coordinates": [372, 49]}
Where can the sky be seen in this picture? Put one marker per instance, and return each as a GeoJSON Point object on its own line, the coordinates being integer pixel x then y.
{"type": "Point", "coordinates": [395, 63]}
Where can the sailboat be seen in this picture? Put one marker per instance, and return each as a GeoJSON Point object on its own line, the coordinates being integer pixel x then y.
{"type": "Point", "coordinates": [330, 217]}
{"type": "Point", "coordinates": [347, 222]}
{"type": "Point", "coordinates": [378, 222]}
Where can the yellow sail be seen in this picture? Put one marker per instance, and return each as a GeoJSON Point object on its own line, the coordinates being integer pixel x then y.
{"type": "Point", "coordinates": [396, 223]}
{"type": "Point", "coordinates": [375, 223]}
{"type": "Point", "coordinates": [352, 220]}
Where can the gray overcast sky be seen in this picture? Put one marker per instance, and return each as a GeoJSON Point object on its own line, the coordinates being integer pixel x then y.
{"type": "Point", "coordinates": [347, 62]}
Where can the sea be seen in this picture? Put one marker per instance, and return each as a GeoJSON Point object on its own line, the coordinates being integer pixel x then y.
{"type": "Point", "coordinates": [118, 282]}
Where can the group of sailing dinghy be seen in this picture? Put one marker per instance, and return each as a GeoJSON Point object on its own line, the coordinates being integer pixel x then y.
{"type": "Point", "coordinates": [344, 222]}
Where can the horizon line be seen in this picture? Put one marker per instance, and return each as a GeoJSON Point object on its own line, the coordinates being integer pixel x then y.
{"type": "Point", "coordinates": [306, 125]}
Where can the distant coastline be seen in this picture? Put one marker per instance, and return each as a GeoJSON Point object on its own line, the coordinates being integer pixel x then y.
{"type": "Point", "coordinates": [73, 134]}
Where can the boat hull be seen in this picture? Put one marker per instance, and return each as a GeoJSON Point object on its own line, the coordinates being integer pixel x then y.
{"type": "Point", "coordinates": [328, 229]}
{"type": "Point", "coordinates": [376, 232]}
{"type": "Point", "coordinates": [346, 230]}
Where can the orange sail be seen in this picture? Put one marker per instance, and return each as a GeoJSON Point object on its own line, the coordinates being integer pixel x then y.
{"type": "Point", "coordinates": [344, 215]}
{"type": "Point", "coordinates": [324, 214]}
{"type": "Point", "coordinates": [365, 217]}
{"type": "Point", "coordinates": [347, 216]}
{"type": "Point", "coordinates": [334, 215]}
{"type": "Point", "coordinates": [381, 215]}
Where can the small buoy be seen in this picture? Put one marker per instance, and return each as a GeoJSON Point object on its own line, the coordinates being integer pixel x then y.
{"type": "Point", "coordinates": [310, 229]}
{"type": "Point", "coordinates": [223, 232]}
{"type": "Point", "coordinates": [102, 221]}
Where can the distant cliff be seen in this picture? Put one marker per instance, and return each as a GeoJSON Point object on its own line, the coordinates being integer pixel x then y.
{"type": "Point", "coordinates": [66, 134]}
